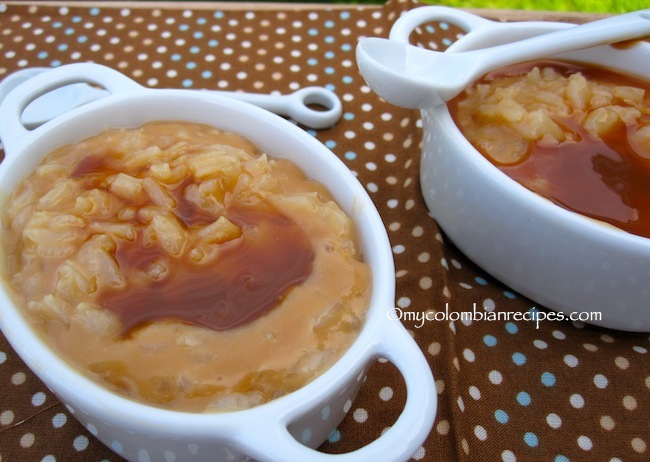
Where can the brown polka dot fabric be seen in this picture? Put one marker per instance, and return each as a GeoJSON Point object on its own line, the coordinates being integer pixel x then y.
{"type": "Point", "coordinates": [508, 390]}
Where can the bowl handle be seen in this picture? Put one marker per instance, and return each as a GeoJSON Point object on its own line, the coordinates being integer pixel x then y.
{"type": "Point", "coordinates": [273, 442]}
{"type": "Point", "coordinates": [405, 24]}
{"type": "Point", "coordinates": [13, 132]}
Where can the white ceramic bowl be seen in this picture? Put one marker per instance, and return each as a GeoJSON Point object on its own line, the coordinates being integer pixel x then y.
{"type": "Point", "coordinates": [577, 266]}
{"type": "Point", "coordinates": [284, 429]}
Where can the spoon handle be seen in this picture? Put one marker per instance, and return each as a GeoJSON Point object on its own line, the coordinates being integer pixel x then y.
{"type": "Point", "coordinates": [603, 31]}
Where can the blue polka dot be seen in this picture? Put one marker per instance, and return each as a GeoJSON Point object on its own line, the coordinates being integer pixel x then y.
{"type": "Point", "coordinates": [57, 24]}
{"type": "Point", "coordinates": [345, 15]}
{"type": "Point", "coordinates": [512, 328]}
{"type": "Point", "coordinates": [561, 458]}
{"type": "Point", "coordinates": [76, 19]}
{"type": "Point", "coordinates": [55, 63]}
{"type": "Point", "coordinates": [176, 57]}
{"type": "Point", "coordinates": [206, 74]}
{"type": "Point", "coordinates": [213, 43]}
{"type": "Point", "coordinates": [69, 31]}
{"type": "Point", "coordinates": [330, 87]}
{"type": "Point", "coordinates": [444, 25]}
{"type": "Point", "coordinates": [187, 83]}
{"type": "Point", "coordinates": [509, 295]}
{"type": "Point", "coordinates": [218, 14]}
{"type": "Point", "coordinates": [190, 65]}
{"type": "Point", "coordinates": [306, 435]}
{"type": "Point", "coordinates": [183, 27]}
{"type": "Point", "coordinates": [519, 359]}
{"type": "Point", "coordinates": [312, 32]}
{"type": "Point", "coordinates": [94, 11]}
{"type": "Point", "coordinates": [82, 39]}
{"type": "Point", "coordinates": [350, 155]}
{"type": "Point", "coordinates": [348, 116]}
{"type": "Point", "coordinates": [480, 280]}
{"type": "Point", "coordinates": [430, 29]}
{"type": "Point", "coordinates": [329, 39]}
{"type": "Point", "coordinates": [548, 379]}
{"type": "Point", "coordinates": [201, 21]}
{"type": "Point", "coordinates": [523, 398]}
{"type": "Point", "coordinates": [42, 55]}
{"type": "Point", "coordinates": [330, 144]}
{"type": "Point", "coordinates": [329, 24]}
{"type": "Point", "coordinates": [194, 50]}
{"type": "Point", "coordinates": [490, 340]}
{"type": "Point", "coordinates": [346, 47]}
{"type": "Point", "coordinates": [347, 79]}
{"type": "Point", "coordinates": [501, 416]}
{"type": "Point", "coordinates": [312, 61]}
{"type": "Point", "coordinates": [531, 439]}
{"type": "Point", "coordinates": [334, 436]}
{"type": "Point", "coordinates": [198, 35]}
{"type": "Point", "coordinates": [325, 412]}
{"type": "Point", "coordinates": [62, 47]}
{"type": "Point", "coordinates": [329, 70]}
{"type": "Point", "coordinates": [330, 55]}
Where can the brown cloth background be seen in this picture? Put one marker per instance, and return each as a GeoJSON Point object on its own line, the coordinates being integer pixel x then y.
{"type": "Point", "coordinates": [508, 391]}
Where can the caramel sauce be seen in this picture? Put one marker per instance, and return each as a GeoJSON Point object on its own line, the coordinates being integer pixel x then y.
{"type": "Point", "coordinates": [604, 178]}
{"type": "Point", "coordinates": [249, 277]}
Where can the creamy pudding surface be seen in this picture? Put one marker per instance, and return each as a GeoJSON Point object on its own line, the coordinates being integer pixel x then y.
{"type": "Point", "coordinates": [179, 266]}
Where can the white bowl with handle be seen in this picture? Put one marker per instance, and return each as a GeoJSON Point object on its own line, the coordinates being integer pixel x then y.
{"type": "Point", "coordinates": [288, 428]}
{"type": "Point", "coordinates": [579, 267]}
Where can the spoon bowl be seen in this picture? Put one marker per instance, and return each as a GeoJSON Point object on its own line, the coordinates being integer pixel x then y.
{"type": "Point", "coordinates": [414, 77]}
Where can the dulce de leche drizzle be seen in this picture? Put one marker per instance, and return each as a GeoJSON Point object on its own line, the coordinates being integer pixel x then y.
{"type": "Point", "coordinates": [249, 277]}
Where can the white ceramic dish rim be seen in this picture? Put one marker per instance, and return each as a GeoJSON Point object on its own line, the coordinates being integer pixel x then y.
{"type": "Point", "coordinates": [480, 31]}
{"type": "Point", "coordinates": [261, 432]}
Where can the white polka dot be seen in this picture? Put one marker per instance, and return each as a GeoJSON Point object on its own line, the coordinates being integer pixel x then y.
{"type": "Point", "coordinates": [600, 381]}
{"type": "Point", "coordinates": [443, 427]}
{"type": "Point", "coordinates": [541, 344]}
{"type": "Point", "coordinates": [3, 357]}
{"type": "Point", "coordinates": [18, 378]}
{"type": "Point", "coordinates": [419, 454]}
{"type": "Point", "coordinates": [48, 458]}
{"type": "Point", "coordinates": [80, 443]}
{"type": "Point", "coordinates": [495, 377]}
{"type": "Point", "coordinates": [571, 360]}
{"type": "Point", "coordinates": [508, 456]}
{"type": "Point", "coordinates": [640, 349]}
{"type": "Point", "coordinates": [27, 440]}
{"type": "Point", "coordinates": [607, 422]}
{"type": "Point", "coordinates": [559, 335]}
{"type": "Point", "coordinates": [585, 443]}
{"type": "Point", "coordinates": [553, 420]}
{"type": "Point", "coordinates": [475, 392]}
{"type": "Point", "coordinates": [480, 432]}
{"type": "Point", "coordinates": [577, 401]}
{"type": "Point", "coordinates": [639, 445]}
{"type": "Point", "coordinates": [386, 393]}
{"type": "Point", "coordinates": [465, 445]}
{"type": "Point", "coordinates": [7, 417]}
{"type": "Point", "coordinates": [469, 355]}
{"type": "Point", "coordinates": [621, 362]}
{"type": "Point", "coordinates": [461, 404]}
{"type": "Point", "coordinates": [434, 348]}
{"type": "Point", "coordinates": [38, 399]}
{"type": "Point", "coordinates": [488, 304]}
{"type": "Point", "coordinates": [629, 402]}
{"type": "Point", "coordinates": [59, 420]}
{"type": "Point", "coordinates": [360, 415]}
{"type": "Point", "coordinates": [440, 386]}
{"type": "Point", "coordinates": [590, 347]}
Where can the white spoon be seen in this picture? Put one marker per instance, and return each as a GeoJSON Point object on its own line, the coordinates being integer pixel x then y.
{"type": "Point", "coordinates": [413, 77]}
{"type": "Point", "coordinates": [296, 105]}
